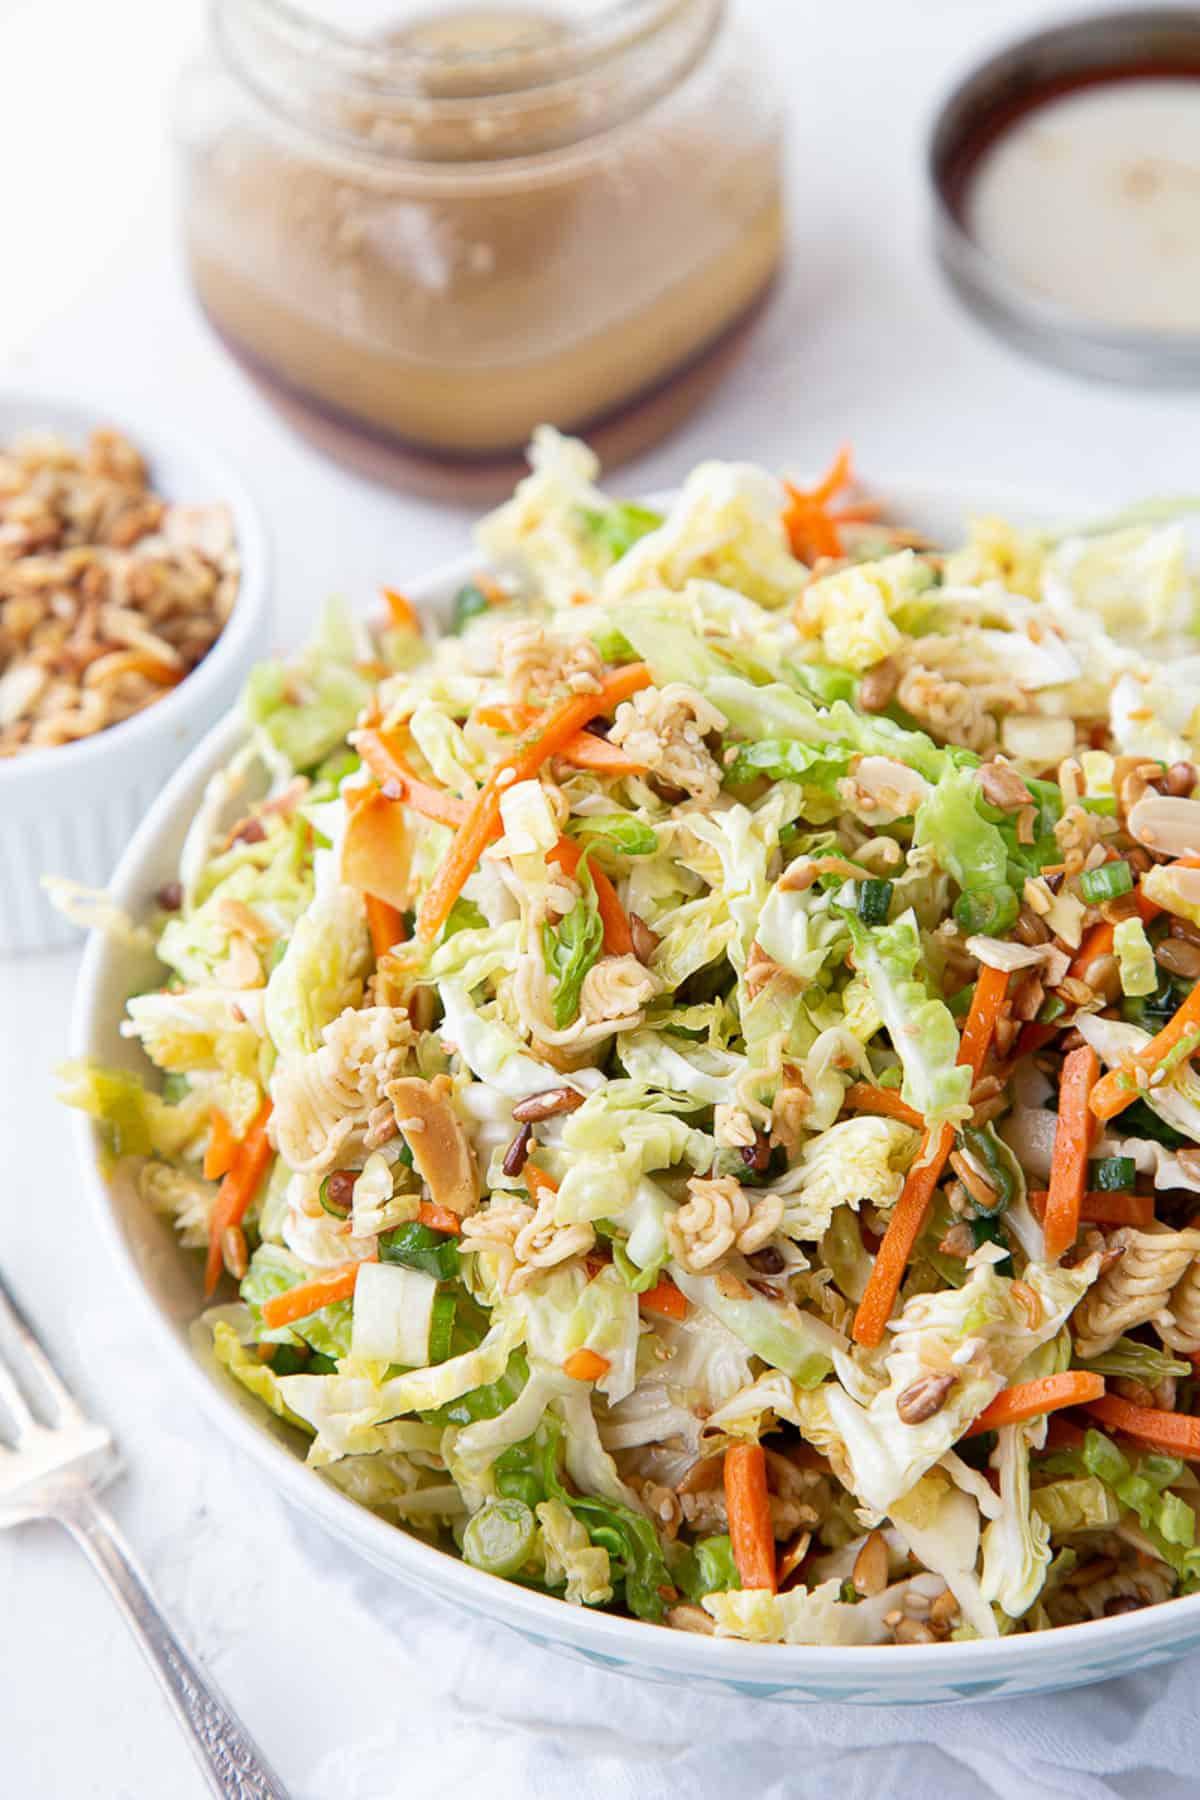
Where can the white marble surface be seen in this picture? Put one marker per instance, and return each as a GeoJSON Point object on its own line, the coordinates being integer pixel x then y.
{"type": "Point", "coordinates": [354, 1689]}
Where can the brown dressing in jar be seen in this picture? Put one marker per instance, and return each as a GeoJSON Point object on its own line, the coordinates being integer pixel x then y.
{"type": "Point", "coordinates": [426, 243]}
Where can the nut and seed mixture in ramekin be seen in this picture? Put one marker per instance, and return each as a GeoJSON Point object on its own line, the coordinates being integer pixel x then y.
{"type": "Point", "coordinates": [109, 594]}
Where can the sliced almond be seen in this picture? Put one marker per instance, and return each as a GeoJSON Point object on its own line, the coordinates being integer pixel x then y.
{"type": "Point", "coordinates": [1166, 824]}
{"type": "Point", "coordinates": [441, 1155]}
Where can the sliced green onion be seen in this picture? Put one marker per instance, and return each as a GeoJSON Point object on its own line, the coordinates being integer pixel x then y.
{"type": "Point", "coordinates": [1115, 1174]}
{"type": "Point", "coordinates": [988, 910]}
{"type": "Point", "coordinates": [500, 1537]}
{"type": "Point", "coordinates": [469, 602]}
{"type": "Point", "coordinates": [441, 1328]}
{"type": "Point", "coordinates": [874, 901]}
{"type": "Point", "coordinates": [1052, 1008]}
{"type": "Point", "coordinates": [420, 1247]}
{"type": "Point", "coordinates": [1108, 882]}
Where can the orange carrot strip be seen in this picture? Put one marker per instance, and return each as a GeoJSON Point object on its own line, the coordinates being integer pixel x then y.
{"type": "Point", "coordinates": [587, 751]}
{"type": "Point", "coordinates": [538, 1182]}
{"type": "Point", "coordinates": [310, 1296]}
{"type": "Point", "coordinates": [249, 1165]}
{"type": "Point", "coordinates": [988, 998]}
{"type": "Point", "coordinates": [1118, 1089]}
{"type": "Point", "coordinates": [812, 531]}
{"type": "Point", "coordinates": [835, 478]}
{"type": "Point", "coordinates": [383, 756]}
{"type": "Point", "coordinates": [1072, 1141]}
{"type": "Point", "coordinates": [385, 923]}
{"type": "Point", "coordinates": [618, 938]}
{"type": "Point", "coordinates": [1030, 1399]}
{"type": "Point", "coordinates": [482, 822]}
{"type": "Point", "coordinates": [218, 1157]}
{"type": "Point", "coordinates": [439, 1218]}
{"type": "Point", "coordinates": [1177, 1433]}
{"type": "Point", "coordinates": [749, 1509]}
{"type": "Point", "coordinates": [586, 1365]}
{"type": "Point", "coordinates": [403, 612]}
{"type": "Point", "coordinates": [1104, 1208]}
{"type": "Point", "coordinates": [501, 717]}
{"type": "Point", "coordinates": [862, 1096]}
{"type": "Point", "coordinates": [665, 1299]}
{"type": "Point", "coordinates": [908, 1215]}
{"type": "Point", "coordinates": [1098, 941]}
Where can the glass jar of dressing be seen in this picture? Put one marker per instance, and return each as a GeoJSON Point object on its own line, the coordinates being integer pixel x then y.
{"type": "Point", "coordinates": [425, 229]}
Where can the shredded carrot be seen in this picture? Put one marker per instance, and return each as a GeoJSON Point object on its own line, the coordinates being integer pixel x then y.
{"type": "Point", "coordinates": [749, 1508]}
{"type": "Point", "coordinates": [218, 1157]}
{"type": "Point", "coordinates": [862, 1096]}
{"type": "Point", "coordinates": [403, 612]}
{"type": "Point", "coordinates": [586, 1365]}
{"type": "Point", "coordinates": [482, 822]}
{"type": "Point", "coordinates": [439, 1218]}
{"type": "Point", "coordinates": [538, 1182]}
{"type": "Point", "coordinates": [385, 759]}
{"type": "Point", "coordinates": [908, 1215]}
{"type": "Point", "coordinates": [1104, 1208]}
{"type": "Point", "coordinates": [990, 990]}
{"type": "Point", "coordinates": [1177, 1433]}
{"type": "Point", "coordinates": [246, 1170]}
{"type": "Point", "coordinates": [1030, 1399]}
{"type": "Point", "coordinates": [310, 1296]}
{"type": "Point", "coordinates": [811, 527]}
{"type": "Point", "coordinates": [491, 590]}
{"type": "Point", "coordinates": [587, 751]}
{"type": "Point", "coordinates": [1072, 1141]}
{"type": "Point", "coordinates": [1119, 1088]}
{"type": "Point", "coordinates": [1096, 942]}
{"type": "Point", "coordinates": [501, 717]}
{"type": "Point", "coordinates": [385, 923]}
{"type": "Point", "coordinates": [665, 1299]}
{"type": "Point", "coordinates": [836, 477]}
{"type": "Point", "coordinates": [618, 938]}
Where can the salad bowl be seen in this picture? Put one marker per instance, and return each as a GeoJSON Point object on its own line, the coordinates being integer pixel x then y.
{"type": "Point", "coordinates": [166, 1283]}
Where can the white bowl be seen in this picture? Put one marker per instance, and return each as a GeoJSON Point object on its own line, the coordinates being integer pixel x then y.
{"type": "Point", "coordinates": [165, 1280]}
{"type": "Point", "coordinates": [70, 809]}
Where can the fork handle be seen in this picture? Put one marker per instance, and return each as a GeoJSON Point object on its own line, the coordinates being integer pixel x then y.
{"type": "Point", "coordinates": [232, 1764]}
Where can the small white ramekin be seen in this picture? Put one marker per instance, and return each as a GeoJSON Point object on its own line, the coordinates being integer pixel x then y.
{"type": "Point", "coordinates": [70, 810]}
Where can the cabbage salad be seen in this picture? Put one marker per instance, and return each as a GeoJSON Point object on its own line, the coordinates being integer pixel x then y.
{"type": "Point", "coordinates": [683, 1082]}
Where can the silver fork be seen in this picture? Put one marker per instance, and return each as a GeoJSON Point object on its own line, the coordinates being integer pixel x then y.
{"type": "Point", "coordinates": [56, 1462]}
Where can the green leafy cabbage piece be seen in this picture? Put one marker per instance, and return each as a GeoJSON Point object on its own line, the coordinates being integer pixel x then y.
{"type": "Point", "coordinates": [573, 947]}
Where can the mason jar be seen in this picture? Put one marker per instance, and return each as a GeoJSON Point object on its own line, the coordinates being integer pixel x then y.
{"type": "Point", "coordinates": [426, 229]}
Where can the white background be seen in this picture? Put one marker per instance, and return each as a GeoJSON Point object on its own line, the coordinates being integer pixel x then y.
{"type": "Point", "coordinates": [355, 1690]}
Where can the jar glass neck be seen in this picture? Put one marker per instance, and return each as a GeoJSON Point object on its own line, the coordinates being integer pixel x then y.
{"type": "Point", "coordinates": [477, 83]}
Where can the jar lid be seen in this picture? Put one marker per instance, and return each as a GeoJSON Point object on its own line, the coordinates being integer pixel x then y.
{"type": "Point", "coordinates": [1065, 172]}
